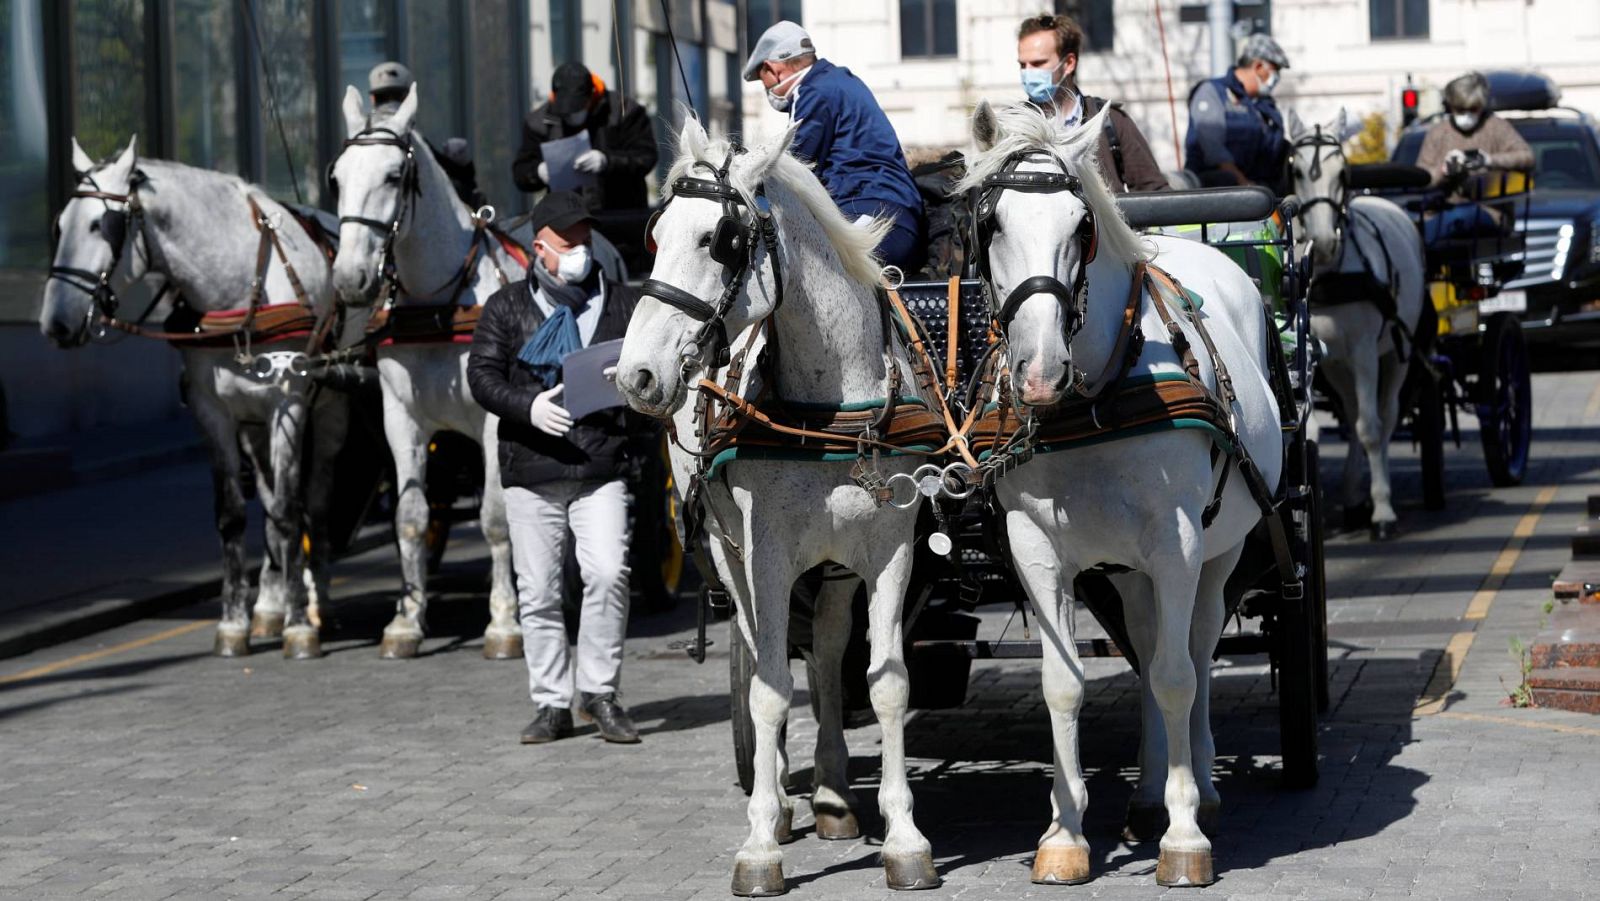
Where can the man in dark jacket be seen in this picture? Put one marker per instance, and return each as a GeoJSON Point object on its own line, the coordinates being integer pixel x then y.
{"type": "Point", "coordinates": [560, 475]}
{"type": "Point", "coordinates": [1236, 133]}
{"type": "Point", "coordinates": [622, 144]}
{"type": "Point", "coordinates": [844, 132]}
{"type": "Point", "coordinates": [1047, 54]}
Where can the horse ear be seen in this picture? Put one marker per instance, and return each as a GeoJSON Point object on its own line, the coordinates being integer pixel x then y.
{"type": "Point", "coordinates": [1085, 141]}
{"type": "Point", "coordinates": [81, 163]}
{"type": "Point", "coordinates": [126, 162]}
{"type": "Point", "coordinates": [766, 155]}
{"type": "Point", "coordinates": [985, 128]}
{"type": "Point", "coordinates": [1346, 126]}
{"type": "Point", "coordinates": [355, 118]}
{"type": "Point", "coordinates": [1296, 128]}
{"type": "Point", "coordinates": [401, 123]}
{"type": "Point", "coordinates": [692, 138]}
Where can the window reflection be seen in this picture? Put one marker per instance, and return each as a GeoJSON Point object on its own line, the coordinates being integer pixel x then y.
{"type": "Point", "coordinates": [434, 35]}
{"type": "Point", "coordinates": [205, 84]}
{"type": "Point", "coordinates": [108, 53]}
{"type": "Point", "coordinates": [24, 166]}
{"type": "Point", "coordinates": [286, 50]}
{"type": "Point", "coordinates": [496, 128]}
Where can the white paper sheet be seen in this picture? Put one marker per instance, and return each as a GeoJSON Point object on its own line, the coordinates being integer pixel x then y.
{"type": "Point", "coordinates": [559, 156]}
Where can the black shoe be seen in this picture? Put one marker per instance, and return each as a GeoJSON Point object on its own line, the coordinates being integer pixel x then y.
{"type": "Point", "coordinates": [608, 715]}
{"type": "Point", "coordinates": [549, 724]}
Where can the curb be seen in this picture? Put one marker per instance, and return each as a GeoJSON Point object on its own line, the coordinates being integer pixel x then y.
{"type": "Point", "coordinates": [67, 628]}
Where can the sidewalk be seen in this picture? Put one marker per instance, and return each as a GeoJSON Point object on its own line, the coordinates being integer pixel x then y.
{"type": "Point", "coordinates": [134, 533]}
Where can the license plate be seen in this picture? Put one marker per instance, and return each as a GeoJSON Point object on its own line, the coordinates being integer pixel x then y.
{"type": "Point", "coordinates": [1505, 302]}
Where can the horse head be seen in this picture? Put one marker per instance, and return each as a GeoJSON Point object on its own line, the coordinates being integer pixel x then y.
{"type": "Point", "coordinates": [1038, 230]}
{"type": "Point", "coordinates": [1318, 167]}
{"type": "Point", "coordinates": [714, 273]}
{"type": "Point", "coordinates": [375, 182]}
{"type": "Point", "coordinates": [97, 253]}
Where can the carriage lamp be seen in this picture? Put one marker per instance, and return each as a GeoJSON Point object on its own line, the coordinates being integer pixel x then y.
{"type": "Point", "coordinates": [1558, 263]}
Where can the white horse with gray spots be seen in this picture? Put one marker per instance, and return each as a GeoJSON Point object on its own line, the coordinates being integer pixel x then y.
{"type": "Point", "coordinates": [204, 234]}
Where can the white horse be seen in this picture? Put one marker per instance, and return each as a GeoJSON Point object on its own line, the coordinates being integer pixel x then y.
{"type": "Point", "coordinates": [780, 518]}
{"type": "Point", "coordinates": [130, 219]}
{"type": "Point", "coordinates": [1137, 502]}
{"type": "Point", "coordinates": [1366, 354]}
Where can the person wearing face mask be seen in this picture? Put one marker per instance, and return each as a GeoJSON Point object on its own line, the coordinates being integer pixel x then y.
{"type": "Point", "coordinates": [622, 152]}
{"type": "Point", "coordinates": [1468, 140]}
{"type": "Point", "coordinates": [843, 132]}
{"type": "Point", "coordinates": [1236, 134]}
{"type": "Point", "coordinates": [562, 476]}
{"type": "Point", "coordinates": [1047, 54]}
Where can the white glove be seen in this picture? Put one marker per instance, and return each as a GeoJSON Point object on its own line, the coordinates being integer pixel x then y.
{"type": "Point", "coordinates": [544, 172]}
{"type": "Point", "coordinates": [590, 161]}
{"type": "Point", "coordinates": [549, 416]}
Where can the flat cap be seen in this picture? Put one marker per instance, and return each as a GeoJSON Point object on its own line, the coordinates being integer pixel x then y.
{"type": "Point", "coordinates": [785, 40]}
{"type": "Point", "coordinates": [1263, 47]}
{"type": "Point", "coordinates": [389, 76]}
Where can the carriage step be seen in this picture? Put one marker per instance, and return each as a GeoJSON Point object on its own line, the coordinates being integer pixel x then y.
{"type": "Point", "coordinates": [1575, 688]}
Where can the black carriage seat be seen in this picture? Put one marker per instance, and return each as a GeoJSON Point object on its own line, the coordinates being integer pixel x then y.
{"type": "Point", "coordinates": [1384, 177]}
{"type": "Point", "coordinates": [1247, 203]}
{"type": "Point", "coordinates": [930, 303]}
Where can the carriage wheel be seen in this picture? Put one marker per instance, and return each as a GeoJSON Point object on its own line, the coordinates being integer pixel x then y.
{"type": "Point", "coordinates": [1505, 401]}
{"type": "Point", "coordinates": [1316, 578]}
{"type": "Point", "coordinates": [1300, 637]}
{"type": "Point", "coordinates": [741, 670]}
{"type": "Point", "coordinates": [1427, 426]}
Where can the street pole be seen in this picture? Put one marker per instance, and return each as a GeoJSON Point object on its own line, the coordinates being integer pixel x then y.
{"type": "Point", "coordinates": [1220, 17]}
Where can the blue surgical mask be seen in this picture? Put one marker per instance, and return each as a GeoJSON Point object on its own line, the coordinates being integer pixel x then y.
{"type": "Point", "coordinates": [1040, 85]}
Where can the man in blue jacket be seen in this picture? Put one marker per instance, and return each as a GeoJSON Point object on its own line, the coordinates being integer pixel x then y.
{"type": "Point", "coordinates": [1236, 134]}
{"type": "Point", "coordinates": [844, 132]}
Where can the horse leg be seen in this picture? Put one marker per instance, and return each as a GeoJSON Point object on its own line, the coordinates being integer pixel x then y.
{"type": "Point", "coordinates": [266, 617]}
{"type": "Point", "coordinates": [832, 802]}
{"type": "Point", "coordinates": [1210, 615]}
{"type": "Point", "coordinates": [228, 503]}
{"type": "Point", "coordinates": [1062, 857]}
{"type": "Point", "coordinates": [1374, 442]}
{"type": "Point", "coordinates": [1391, 378]}
{"type": "Point", "coordinates": [330, 426]}
{"type": "Point", "coordinates": [1185, 857]}
{"type": "Point", "coordinates": [408, 441]}
{"type": "Point", "coordinates": [767, 575]}
{"type": "Point", "coordinates": [285, 537]}
{"type": "Point", "coordinates": [907, 855]}
{"type": "Point", "coordinates": [1342, 380]}
{"type": "Point", "coordinates": [1147, 812]}
{"type": "Point", "coordinates": [503, 639]}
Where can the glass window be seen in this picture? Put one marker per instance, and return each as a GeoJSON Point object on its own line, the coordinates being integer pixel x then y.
{"type": "Point", "coordinates": [365, 30]}
{"type": "Point", "coordinates": [433, 32]}
{"type": "Point", "coordinates": [108, 54]}
{"type": "Point", "coordinates": [1402, 19]}
{"type": "Point", "coordinates": [1097, 19]}
{"type": "Point", "coordinates": [205, 84]}
{"type": "Point", "coordinates": [566, 31]}
{"type": "Point", "coordinates": [927, 28]}
{"type": "Point", "coordinates": [285, 27]}
{"type": "Point", "coordinates": [24, 160]}
{"type": "Point", "coordinates": [763, 14]}
{"type": "Point", "coordinates": [497, 112]}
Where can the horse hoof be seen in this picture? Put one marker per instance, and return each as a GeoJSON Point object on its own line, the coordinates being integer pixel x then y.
{"type": "Point", "coordinates": [502, 645]}
{"type": "Point", "coordinates": [1184, 868]}
{"type": "Point", "coordinates": [1382, 531]}
{"type": "Point", "coordinates": [1061, 865]}
{"type": "Point", "coordinates": [1209, 816]}
{"type": "Point", "coordinates": [301, 643]}
{"type": "Point", "coordinates": [1146, 822]}
{"type": "Point", "coordinates": [784, 831]}
{"type": "Point", "coordinates": [266, 625]}
{"type": "Point", "coordinates": [836, 824]}
{"type": "Point", "coordinates": [231, 644]}
{"type": "Point", "coordinates": [399, 645]}
{"type": "Point", "coordinates": [758, 880]}
{"type": "Point", "coordinates": [910, 872]}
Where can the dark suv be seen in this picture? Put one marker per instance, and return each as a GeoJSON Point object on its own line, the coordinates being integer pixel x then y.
{"type": "Point", "coordinates": [1558, 293]}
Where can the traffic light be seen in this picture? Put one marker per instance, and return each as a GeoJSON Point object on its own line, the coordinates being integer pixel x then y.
{"type": "Point", "coordinates": [1408, 105]}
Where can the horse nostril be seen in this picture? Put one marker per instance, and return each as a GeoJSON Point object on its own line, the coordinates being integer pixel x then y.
{"type": "Point", "coordinates": [643, 379]}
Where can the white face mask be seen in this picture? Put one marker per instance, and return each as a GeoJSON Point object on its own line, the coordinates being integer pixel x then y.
{"type": "Point", "coordinates": [1465, 121]}
{"type": "Point", "coordinates": [782, 102]}
{"type": "Point", "coordinates": [1268, 84]}
{"type": "Point", "coordinates": [574, 265]}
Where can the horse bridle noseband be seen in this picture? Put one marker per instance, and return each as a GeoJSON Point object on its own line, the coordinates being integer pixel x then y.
{"type": "Point", "coordinates": [1074, 300]}
{"type": "Point", "coordinates": [114, 229]}
{"type": "Point", "coordinates": [733, 246]}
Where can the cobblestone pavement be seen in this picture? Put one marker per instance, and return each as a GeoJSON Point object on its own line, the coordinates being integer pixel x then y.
{"type": "Point", "coordinates": [135, 766]}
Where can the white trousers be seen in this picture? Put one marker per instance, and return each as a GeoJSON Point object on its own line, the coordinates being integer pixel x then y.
{"type": "Point", "coordinates": [596, 513]}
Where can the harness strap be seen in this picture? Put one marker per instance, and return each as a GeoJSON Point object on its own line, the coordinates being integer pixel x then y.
{"type": "Point", "coordinates": [953, 333]}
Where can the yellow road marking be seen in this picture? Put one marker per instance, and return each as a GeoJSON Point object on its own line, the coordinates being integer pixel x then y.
{"type": "Point", "coordinates": [60, 665]}
{"type": "Point", "coordinates": [1526, 724]}
{"type": "Point", "coordinates": [1455, 653]}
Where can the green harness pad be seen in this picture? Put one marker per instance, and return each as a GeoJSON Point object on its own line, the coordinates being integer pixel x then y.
{"type": "Point", "coordinates": [803, 455]}
{"type": "Point", "coordinates": [1149, 428]}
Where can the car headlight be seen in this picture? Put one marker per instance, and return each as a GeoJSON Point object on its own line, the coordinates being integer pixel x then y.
{"type": "Point", "coordinates": [1558, 263]}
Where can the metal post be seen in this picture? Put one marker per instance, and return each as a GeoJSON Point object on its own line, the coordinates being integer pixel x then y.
{"type": "Point", "coordinates": [1220, 17]}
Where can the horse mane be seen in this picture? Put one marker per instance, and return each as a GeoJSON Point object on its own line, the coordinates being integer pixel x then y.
{"type": "Point", "coordinates": [1023, 128]}
{"type": "Point", "coordinates": [855, 245]}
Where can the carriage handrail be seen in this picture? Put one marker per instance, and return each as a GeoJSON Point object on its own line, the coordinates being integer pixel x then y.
{"type": "Point", "coordinates": [1246, 203]}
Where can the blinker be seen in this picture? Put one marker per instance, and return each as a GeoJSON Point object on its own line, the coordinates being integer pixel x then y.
{"type": "Point", "coordinates": [650, 231]}
{"type": "Point", "coordinates": [729, 242]}
{"type": "Point", "coordinates": [114, 228]}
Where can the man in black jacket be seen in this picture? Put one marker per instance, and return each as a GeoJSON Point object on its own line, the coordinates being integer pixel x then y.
{"type": "Point", "coordinates": [560, 475]}
{"type": "Point", "coordinates": [622, 144]}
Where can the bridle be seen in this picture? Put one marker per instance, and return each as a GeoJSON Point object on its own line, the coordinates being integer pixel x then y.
{"type": "Point", "coordinates": [733, 246]}
{"type": "Point", "coordinates": [1317, 140]}
{"type": "Point", "coordinates": [1074, 300]}
{"type": "Point", "coordinates": [114, 229]}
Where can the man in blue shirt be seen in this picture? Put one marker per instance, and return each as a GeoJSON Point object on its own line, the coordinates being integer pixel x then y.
{"type": "Point", "coordinates": [1236, 134]}
{"type": "Point", "coordinates": [844, 132]}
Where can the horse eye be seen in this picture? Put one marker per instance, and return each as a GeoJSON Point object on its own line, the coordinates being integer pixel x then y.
{"type": "Point", "coordinates": [393, 178]}
{"type": "Point", "coordinates": [705, 240]}
{"type": "Point", "coordinates": [94, 225]}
